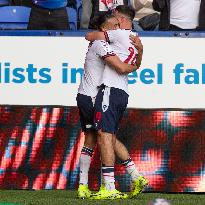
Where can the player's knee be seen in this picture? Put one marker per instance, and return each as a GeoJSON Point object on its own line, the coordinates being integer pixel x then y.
{"type": "Point", "coordinates": [100, 133]}
{"type": "Point", "coordinates": [90, 139]}
{"type": "Point", "coordinates": [100, 139]}
{"type": "Point", "coordinates": [104, 138]}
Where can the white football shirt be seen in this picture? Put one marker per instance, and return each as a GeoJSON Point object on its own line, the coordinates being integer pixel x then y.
{"type": "Point", "coordinates": [122, 47]}
{"type": "Point", "coordinates": [94, 67]}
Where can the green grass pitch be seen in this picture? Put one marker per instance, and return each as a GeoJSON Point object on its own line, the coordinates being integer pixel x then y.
{"type": "Point", "coordinates": [63, 197]}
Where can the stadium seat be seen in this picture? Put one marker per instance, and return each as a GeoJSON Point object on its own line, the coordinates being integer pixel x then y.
{"type": "Point", "coordinates": [4, 2]}
{"type": "Point", "coordinates": [80, 8]}
{"type": "Point", "coordinates": [14, 17]}
{"type": "Point", "coordinates": [72, 16]}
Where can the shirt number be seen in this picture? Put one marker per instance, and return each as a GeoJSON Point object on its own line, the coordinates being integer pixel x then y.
{"type": "Point", "coordinates": [132, 58]}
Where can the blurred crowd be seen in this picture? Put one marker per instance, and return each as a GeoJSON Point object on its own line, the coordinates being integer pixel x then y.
{"type": "Point", "coordinates": [152, 14]}
{"type": "Point", "coordinates": [166, 15]}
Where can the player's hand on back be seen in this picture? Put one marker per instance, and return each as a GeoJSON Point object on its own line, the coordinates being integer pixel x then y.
{"type": "Point", "coordinates": [135, 40]}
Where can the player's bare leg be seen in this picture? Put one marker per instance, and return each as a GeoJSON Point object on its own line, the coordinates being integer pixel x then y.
{"type": "Point", "coordinates": [90, 139]}
{"type": "Point", "coordinates": [105, 142]}
{"type": "Point", "coordinates": [138, 181]}
{"type": "Point", "coordinates": [120, 149]}
{"type": "Point", "coordinates": [122, 153]}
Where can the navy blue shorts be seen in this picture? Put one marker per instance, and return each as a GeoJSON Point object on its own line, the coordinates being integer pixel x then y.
{"type": "Point", "coordinates": [86, 110]}
{"type": "Point", "coordinates": [110, 105]}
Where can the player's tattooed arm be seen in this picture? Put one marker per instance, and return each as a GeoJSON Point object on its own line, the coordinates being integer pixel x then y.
{"type": "Point", "coordinates": [95, 35]}
{"type": "Point", "coordinates": [138, 45]}
{"type": "Point", "coordinates": [119, 66]}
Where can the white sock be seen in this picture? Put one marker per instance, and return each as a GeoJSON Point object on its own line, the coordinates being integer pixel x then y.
{"type": "Point", "coordinates": [108, 177]}
{"type": "Point", "coordinates": [85, 159]}
{"type": "Point", "coordinates": [131, 169]}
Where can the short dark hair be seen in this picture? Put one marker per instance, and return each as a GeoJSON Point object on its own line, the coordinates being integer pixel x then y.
{"type": "Point", "coordinates": [99, 20]}
{"type": "Point", "coordinates": [127, 11]}
{"type": "Point", "coordinates": [105, 17]}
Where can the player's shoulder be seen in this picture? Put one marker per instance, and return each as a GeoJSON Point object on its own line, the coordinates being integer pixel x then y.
{"type": "Point", "coordinates": [99, 43]}
{"type": "Point", "coordinates": [123, 32]}
{"type": "Point", "coordinates": [119, 30]}
{"type": "Point", "coordinates": [130, 32]}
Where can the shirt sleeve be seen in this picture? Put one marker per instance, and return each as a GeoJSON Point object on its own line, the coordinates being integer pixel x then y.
{"type": "Point", "coordinates": [112, 36]}
{"type": "Point", "coordinates": [103, 49]}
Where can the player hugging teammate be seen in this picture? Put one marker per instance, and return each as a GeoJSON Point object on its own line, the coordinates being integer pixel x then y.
{"type": "Point", "coordinates": [102, 98]}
